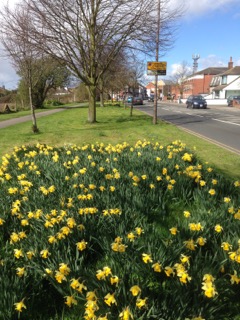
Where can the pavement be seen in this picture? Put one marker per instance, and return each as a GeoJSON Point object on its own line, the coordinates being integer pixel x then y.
{"type": "Point", "coordinates": [12, 122]}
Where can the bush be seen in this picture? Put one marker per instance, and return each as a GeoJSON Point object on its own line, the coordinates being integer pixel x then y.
{"type": "Point", "coordinates": [117, 232]}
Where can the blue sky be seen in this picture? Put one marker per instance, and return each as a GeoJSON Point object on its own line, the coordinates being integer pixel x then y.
{"type": "Point", "coordinates": [209, 28]}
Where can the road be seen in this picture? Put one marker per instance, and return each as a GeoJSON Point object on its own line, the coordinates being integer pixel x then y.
{"type": "Point", "coordinates": [217, 124]}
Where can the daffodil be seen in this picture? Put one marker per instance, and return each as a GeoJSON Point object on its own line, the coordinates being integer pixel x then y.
{"type": "Point", "coordinates": [139, 231]}
{"type": "Point", "coordinates": [109, 299]}
{"type": "Point", "coordinates": [20, 272]}
{"type": "Point", "coordinates": [70, 300]}
{"type": "Point", "coordinates": [218, 228]}
{"type": "Point", "coordinates": [234, 278]}
{"type": "Point", "coordinates": [135, 290]}
{"type": "Point", "coordinates": [114, 280]}
{"type": "Point", "coordinates": [45, 254]}
{"type": "Point", "coordinates": [20, 305]}
{"type": "Point", "coordinates": [126, 314]}
{"type": "Point", "coordinates": [201, 241]}
{"type": "Point", "coordinates": [212, 192]}
{"type": "Point", "coordinates": [169, 271]}
{"type": "Point", "coordinates": [82, 245]}
{"type": "Point", "coordinates": [190, 244]}
{"type": "Point", "coordinates": [18, 253]}
{"type": "Point", "coordinates": [141, 303]}
{"type": "Point", "coordinates": [186, 214]}
{"type": "Point", "coordinates": [227, 199]}
{"type": "Point", "coordinates": [157, 267]}
{"type": "Point", "coordinates": [226, 246]}
{"type": "Point", "coordinates": [146, 258]}
{"type": "Point", "coordinates": [64, 269]}
{"type": "Point", "coordinates": [131, 236]}
{"type": "Point", "coordinates": [60, 277]}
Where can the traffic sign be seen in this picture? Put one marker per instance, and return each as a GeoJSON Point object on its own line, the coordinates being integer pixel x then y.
{"type": "Point", "coordinates": [156, 67]}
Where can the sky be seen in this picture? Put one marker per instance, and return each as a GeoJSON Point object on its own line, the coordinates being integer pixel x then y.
{"type": "Point", "coordinates": [208, 28]}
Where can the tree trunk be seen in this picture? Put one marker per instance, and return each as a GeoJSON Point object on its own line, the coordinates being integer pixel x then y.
{"type": "Point", "coordinates": [34, 120]}
{"type": "Point", "coordinates": [92, 104]}
{"type": "Point", "coordinates": [101, 93]}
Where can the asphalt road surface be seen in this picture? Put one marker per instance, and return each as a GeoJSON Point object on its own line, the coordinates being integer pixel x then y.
{"type": "Point", "coordinates": [217, 124]}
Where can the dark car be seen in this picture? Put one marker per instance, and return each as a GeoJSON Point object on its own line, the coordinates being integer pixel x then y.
{"type": "Point", "coordinates": [231, 98]}
{"type": "Point", "coordinates": [137, 100]}
{"type": "Point", "coordinates": [151, 98]}
{"type": "Point", "coordinates": [196, 101]}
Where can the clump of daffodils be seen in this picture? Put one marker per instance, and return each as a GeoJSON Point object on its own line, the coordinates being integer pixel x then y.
{"type": "Point", "coordinates": [117, 232]}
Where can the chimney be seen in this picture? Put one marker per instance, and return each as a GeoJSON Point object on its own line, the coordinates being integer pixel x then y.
{"type": "Point", "coordinates": [230, 64]}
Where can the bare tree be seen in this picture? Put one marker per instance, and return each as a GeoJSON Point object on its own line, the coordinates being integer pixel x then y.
{"type": "Point", "coordinates": [88, 35]}
{"type": "Point", "coordinates": [180, 75]}
{"type": "Point", "coordinates": [15, 26]}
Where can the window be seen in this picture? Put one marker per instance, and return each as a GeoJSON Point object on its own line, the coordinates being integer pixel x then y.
{"type": "Point", "coordinates": [224, 79]}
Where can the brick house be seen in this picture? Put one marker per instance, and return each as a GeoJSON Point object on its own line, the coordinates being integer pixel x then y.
{"type": "Point", "coordinates": [201, 82]}
{"type": "Point", "coordinates": [163, 88]}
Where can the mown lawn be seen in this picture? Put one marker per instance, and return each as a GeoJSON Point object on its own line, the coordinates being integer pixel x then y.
{"type": "Point", "coordinates": [114, 126]}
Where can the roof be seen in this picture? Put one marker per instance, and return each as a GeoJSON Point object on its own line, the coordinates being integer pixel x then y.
{"type": "Point", "coordinates": [212, 70]}
{"type": "Point", "coordinates": [235, 71]}
{"type": "Point", "coordinates": [218, 88]}
{"type": "Point", "coordinates": [150, 85]}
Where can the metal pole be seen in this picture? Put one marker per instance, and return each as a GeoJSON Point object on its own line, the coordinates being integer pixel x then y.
{"type": "Point", "coordinates": [157, 57]}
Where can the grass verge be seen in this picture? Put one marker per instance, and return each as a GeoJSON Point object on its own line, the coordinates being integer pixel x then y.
{"type": "Point", "coordinates": [114, 126]}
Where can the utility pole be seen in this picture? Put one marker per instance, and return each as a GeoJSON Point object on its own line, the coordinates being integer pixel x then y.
{"type": "Point", "coordinates": [157, 57]}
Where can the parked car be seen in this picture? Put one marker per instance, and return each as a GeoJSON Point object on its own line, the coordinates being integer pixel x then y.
{"type": "Point", "coordinates": [231, 98]}
{"type": "Point", "coordinates": [151, 98]}
{"type": "Point", "coordinates": [196, 101]}
{"type": "Point", "coordinates": [137, 100]}
{"type": "Point", "coordinates": [129, 99]}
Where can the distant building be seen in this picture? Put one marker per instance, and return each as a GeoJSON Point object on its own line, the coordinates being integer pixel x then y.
{"type": "Point", "coordinates": [161, 88]}
{"type": "Point", "coordinates": [226, 84]}
{"type": "Point", "coordinates": [205, 81]}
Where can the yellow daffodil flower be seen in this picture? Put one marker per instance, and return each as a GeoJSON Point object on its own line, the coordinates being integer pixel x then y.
{"type": "Point", "coordinates": [20, 305]}
{"type": "Point", "coordinates": [126, 314]}
{"type": "Point", "coordinates": [109, 299]}
{"type": "Point", "coordinates": [146, 258]}
{"type": "Point", "coordinates": [70, 301]}
{"type": "Point", "coordinates": [141, 303]}
{"type": "Point", "coordinates": [135, 290]}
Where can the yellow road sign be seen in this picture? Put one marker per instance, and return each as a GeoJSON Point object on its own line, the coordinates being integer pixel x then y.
{"type": "Point", "coordinates": [157, 66]}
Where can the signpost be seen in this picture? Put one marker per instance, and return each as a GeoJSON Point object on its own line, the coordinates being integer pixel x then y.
{"type": "Point", "coordinates": [156, 68]}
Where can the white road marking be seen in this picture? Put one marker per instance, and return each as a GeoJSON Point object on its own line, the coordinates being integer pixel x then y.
{"type": "Point", "coordinates": [236, 124]}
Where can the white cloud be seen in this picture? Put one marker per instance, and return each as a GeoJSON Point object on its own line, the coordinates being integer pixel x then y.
{"type": "Point", "coordinates": [199, 7]}
{"type": "Point", "coordinates": [212, 61]}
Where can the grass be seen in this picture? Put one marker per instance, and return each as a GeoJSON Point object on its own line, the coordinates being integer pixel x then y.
{"type": "Point", "coordinates": [114, 126]}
